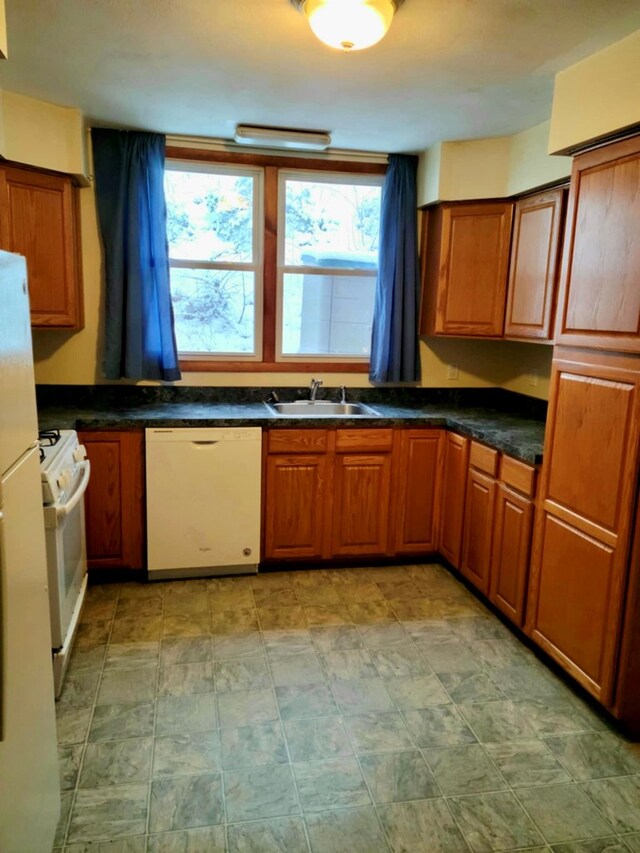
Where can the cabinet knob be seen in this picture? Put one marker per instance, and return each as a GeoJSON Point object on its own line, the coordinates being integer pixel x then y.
{"type": "Point", "coordinates": [247, 552]}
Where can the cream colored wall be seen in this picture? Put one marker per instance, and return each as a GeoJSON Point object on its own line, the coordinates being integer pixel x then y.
{"type": "Point", "coordinates": [41, 134]}
{"type": "Point", "coordinates": [529, 164]}
{"type": "Point", "coordinates": [489, 168]}
{"type": "Point", "coordinates": [597, 97]}
{"type": "Point", "coordinates": [3, 31]}
{"type": "Point", "coordinates": [74, 358]}
{"type": "Point", "coordinates": [475, 169]}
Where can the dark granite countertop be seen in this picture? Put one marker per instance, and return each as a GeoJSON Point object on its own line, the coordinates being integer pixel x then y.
{"type": "Point", "coordinates": [516, 432]}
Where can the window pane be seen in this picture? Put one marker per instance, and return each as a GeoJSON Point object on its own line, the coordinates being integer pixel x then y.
{"type": "Point", "coordinates": [209, 217]}
{"type": "Point", "coordinates": [214, 311]}
{"type": "Point", "coordinates": [327, 314]}
{"type": "Point", "coordinates": [331, 222]}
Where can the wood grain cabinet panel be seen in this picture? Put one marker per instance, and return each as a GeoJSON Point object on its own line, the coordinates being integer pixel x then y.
{"type": "Point", "coordinates": [452, 496]}
{"type": "Point", "coordinates": [583, 526]}
{"type": "Point", "coordinates": [295, 506]}
{"type": "Point", "coordinates": [599, 303]}
{"type": "Point", "coordinates": [478, 529]}
{"type": "Point", "coordinates": [114, 501]}
{"type": "Point", "coordinates": [465, 268]}
{"type": "Point", "coordinates": [361, 504]}
{"type": "Point", "coordinates": [39, 219]}
{"type": "Point", "coordinates": [418, 473]}
{"type": "Point", "coordinates": [510, 552]}
{"type": "Point", "coordinates": [534, 267]}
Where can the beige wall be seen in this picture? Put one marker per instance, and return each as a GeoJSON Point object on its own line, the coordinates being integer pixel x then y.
{"type": "Point", "coordinates": [52, 137]}
{"type": "Point", "coordinates": [489, 168]}
{"type": "Point", "coordinates": [40, 134]}
{"type": "Point", "coordinates": [597, 97]}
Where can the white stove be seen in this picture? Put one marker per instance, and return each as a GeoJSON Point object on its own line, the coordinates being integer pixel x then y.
{"type": "Point", "coordinates": [64, 471]}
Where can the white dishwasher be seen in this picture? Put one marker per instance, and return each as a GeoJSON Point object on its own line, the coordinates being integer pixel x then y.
{"type": "Point", "coordinates": [203, 501]}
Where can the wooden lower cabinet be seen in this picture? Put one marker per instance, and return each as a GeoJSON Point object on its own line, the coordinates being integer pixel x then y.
{"type": "Point", "coordinates": [511, 548]}
{"type": "Point", "coordinates": [295, 506]}
{"type": "Point", "coordinates": [579, 574]}
{"type": "Point", "coordinates": [417, 490]}
{"type": "Point", "coordinates": [351, 492]}
{"type": "Point", "coordinates": [361, 503]}
{"type": "Point", "coordinates": [114, 501]}
{"type": "Point", "coordinates": [452, 496]}
{"type": "Point", "coordinates": [478, 528]}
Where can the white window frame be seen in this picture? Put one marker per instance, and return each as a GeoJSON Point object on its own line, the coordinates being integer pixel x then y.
{"type": "Point", "coordinates": [257, 267]}
{"type": "Point", "coordinates": [316, 177]}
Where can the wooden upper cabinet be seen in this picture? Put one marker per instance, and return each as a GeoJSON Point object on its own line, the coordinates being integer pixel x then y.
{"type": "Point", "coordinates": [452, 496]}
{"type": "Point", "coordinates": [465, 264]}
{"type": "Point", "coordinates": [535, 259]}
{"type": "Point", "coordinates": [586, 501]}
{"type": "Point", "coordinates": [599, 301]}
{"type": "Point", "coordinates": [39, 219]}
{"type": "Point", "coordinates": [417, 490]}
{"type": "Point", "coordinates": [114, 502]}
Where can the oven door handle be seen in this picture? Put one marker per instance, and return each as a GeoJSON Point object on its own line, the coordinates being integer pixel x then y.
{"type": "Point", "coordinates": [68, 508]}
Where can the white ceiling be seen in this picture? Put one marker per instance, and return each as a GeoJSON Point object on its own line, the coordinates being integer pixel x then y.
{"type": "Point", "coordinates": [448, 69]}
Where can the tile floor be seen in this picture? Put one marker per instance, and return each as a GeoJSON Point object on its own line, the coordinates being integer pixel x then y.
{"type": "Point", "coordinates": [355, 710]}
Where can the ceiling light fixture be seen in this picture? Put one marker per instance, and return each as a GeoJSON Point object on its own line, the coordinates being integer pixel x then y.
{"type": "Point", "coordinates": [349, 24]}
{"type": "Point", "coordinates": [282, 137]}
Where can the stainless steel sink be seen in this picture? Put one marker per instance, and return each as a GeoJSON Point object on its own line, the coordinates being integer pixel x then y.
{"type": "Point", "coordinates": [321, 409]}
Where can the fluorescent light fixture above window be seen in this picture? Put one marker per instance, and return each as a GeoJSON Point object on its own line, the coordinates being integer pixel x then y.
{"type": "Point", "coordinates": [281, 137]}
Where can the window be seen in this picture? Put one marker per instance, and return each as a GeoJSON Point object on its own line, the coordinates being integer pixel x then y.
{"type": "Point", "coordinates": [215, 256]}
{"type": "Point", "coordinates": [328, 229]}
{"type": "Point", "coordinates": [271, 267]}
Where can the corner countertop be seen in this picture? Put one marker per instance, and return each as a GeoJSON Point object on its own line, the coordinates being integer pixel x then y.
{"type": "Point", "coordinates": [516, 434]}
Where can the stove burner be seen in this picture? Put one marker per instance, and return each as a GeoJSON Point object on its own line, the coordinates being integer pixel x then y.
{"type": "Point", "coordinates": [48, 437]}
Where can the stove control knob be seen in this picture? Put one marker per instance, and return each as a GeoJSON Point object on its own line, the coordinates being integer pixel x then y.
{"type": "Point", "coordinates": [79, 454]}
{"type": "Point", "coordinates": [64, 480]}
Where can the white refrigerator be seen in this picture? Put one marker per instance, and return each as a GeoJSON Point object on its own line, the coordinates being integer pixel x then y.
{"type": "Point", "coordinates": [29, 783]}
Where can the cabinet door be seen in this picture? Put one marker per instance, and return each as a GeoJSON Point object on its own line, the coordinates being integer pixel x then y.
{"type": "Point", "coordinates": [361, 504]}
{"type": "Point", "coordinates": [510, 554]}
{"type": "Point", "coordinates": [419, 464]}
{"type": "Point", "coordinates": [114, 502]}
{"type": "Point", "coordinates": [535, 255]}
{"type": "Point", "coordinates": [473, 266]}
{"type": "Point", "coordinates": [295, 506]}
{"type": "Point", "coordinates": [599, 304]}
{"type": "Point", "coordinates": [452, 496]}
{"type": "Point", "coordinates": [39, 220]}
{"type": "Point", "coordinates": [586, 499]}
{"type": "Point", "coordinates": [478, 529]}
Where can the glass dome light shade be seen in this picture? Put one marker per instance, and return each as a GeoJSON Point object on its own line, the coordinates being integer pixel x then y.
{"type": "Point", "coordinates": [349, 24]}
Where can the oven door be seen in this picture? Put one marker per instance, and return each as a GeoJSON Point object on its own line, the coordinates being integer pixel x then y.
{"type": "Point", "coordinates": [66, 556]}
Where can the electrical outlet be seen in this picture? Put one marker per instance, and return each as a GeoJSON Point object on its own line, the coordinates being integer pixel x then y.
{"type": "Point", "coordinates": [452, 371]}
{"type": "Point", "coordinates": [533, 378]}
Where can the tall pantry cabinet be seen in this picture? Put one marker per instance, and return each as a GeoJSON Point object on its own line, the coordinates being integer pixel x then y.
{"type": "Point", "coordinates": [583, 607]}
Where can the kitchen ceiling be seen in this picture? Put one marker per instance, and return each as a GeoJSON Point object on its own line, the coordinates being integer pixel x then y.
{"type": "Point", "coordinates": [448, 69]}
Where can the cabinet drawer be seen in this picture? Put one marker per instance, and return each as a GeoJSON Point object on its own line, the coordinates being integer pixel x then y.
{"type": "Point", "coordinates": [297, 440]}
{"type": "Point", "coordinates": [363, 439]}
{"type": "Point", "coordinates": [518, 476]}
{"type": "Point", "coordinates": [484, 458]}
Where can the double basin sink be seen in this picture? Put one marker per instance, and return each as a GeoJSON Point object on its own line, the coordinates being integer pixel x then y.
{"type": "Point", "coordinates": [321, 408]}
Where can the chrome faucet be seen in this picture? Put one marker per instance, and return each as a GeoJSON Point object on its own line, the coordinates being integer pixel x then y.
{"type": "Point", "coordinates": [313, 388]}
{"type": "Point", "coordinates": [343, 394]}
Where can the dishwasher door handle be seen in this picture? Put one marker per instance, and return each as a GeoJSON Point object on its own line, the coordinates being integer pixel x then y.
{"type": "Point", "coordinates": [204, 443]}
